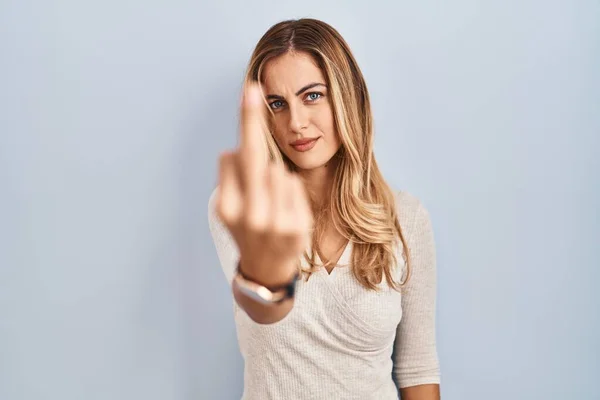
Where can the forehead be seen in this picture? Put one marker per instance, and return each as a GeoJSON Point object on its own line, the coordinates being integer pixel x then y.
{"type": "Point", "coordinates": [290, 72]}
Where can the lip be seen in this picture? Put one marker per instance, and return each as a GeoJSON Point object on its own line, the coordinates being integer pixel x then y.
{"type": "Point", "coordinates": [304, 144]}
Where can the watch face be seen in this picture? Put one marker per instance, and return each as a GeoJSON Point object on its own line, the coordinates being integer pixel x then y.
{"type": "Point", "coordinates": [262, 295]}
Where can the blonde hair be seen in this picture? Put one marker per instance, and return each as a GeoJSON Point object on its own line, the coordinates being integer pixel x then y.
{"type": "Point", "coordinates": [362, 206]}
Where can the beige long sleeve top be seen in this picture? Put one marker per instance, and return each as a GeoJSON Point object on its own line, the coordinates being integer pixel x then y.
{"type": "Point", "coordinates": [342, 341]}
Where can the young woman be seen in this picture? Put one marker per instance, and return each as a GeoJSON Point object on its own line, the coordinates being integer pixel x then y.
{"type": "Point", "coordinates": [333, 274]}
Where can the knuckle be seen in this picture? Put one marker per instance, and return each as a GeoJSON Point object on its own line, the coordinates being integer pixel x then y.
{"type": "Point", "coordinates": [223, 215]}
{"type": "Point", "coordinates": [283, 227]}
{"type": "Point", "coordinates": [256, 223]}
{"type": "Point", "coordinates": [227, 207]}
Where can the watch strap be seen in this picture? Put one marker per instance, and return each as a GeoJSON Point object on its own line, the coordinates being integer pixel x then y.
{"type": "Point", "coordinates": [264, 294]}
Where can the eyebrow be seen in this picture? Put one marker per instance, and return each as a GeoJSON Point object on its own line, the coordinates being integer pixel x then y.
{"type": "Point", "coordinates": [299, 92]}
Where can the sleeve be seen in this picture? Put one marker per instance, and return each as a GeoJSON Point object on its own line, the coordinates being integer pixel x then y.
{"type": "Point", "coordinates": [227, 250]}
{"type": "Point", "coordinates": [415, 354]}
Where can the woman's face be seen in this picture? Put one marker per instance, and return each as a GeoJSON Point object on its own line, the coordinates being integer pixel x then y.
{"type": "Point", "coordinates": [303, 125]}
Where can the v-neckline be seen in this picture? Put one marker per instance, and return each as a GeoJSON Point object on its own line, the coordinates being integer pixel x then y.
{"type": "Point", "coordinates": [343, 261]}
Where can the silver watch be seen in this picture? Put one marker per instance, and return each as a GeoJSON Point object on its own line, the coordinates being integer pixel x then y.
{"type": "Point", "coordinates": [263, 294]}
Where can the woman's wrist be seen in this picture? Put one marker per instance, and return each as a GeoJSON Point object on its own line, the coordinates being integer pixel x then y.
{"type": "Point", "coordinates": [272, 277]}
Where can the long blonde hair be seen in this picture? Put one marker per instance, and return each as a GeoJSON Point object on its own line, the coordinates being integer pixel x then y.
{"type": "Point", "coordinates": [362, 206]}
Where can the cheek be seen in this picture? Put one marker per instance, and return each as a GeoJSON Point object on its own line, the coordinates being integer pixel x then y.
{"type": "Point", "coordinates": [324, 122]}
{"type": "Point", "coordinates": [278, 127]}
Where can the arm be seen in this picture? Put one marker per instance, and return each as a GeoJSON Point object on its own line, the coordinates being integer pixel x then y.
{"type": "Point", "coordinates": [261, 313]}
{"type": "Point", "coordinates": [228, 254]}
{"type": "Point", "coordinates": [416, 366]}
{"type": "Point", "coordinates": [421, 392]}
{"type": "Point", "coordinates": [261, 207]}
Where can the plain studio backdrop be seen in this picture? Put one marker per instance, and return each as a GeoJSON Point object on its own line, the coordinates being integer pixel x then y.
{"type": "Point", "coordinates": [113, 114]}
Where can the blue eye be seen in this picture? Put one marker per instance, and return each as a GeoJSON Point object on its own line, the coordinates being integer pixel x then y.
{"type": "Point", "coordinates": [276, 104]}
{"type": "Point", "coordinates": [313, 96]}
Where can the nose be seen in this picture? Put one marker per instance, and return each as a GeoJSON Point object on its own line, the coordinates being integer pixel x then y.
{"type": "Point", "coordinates": [298, 118]}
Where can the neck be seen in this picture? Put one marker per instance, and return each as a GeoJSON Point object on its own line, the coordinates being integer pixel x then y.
{"type": "Point", "coordinates": [319, 181]}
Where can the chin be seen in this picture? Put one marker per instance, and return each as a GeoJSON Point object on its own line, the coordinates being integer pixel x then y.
{"type": "Point", "coordinates": [308, 166]}
{"type": "Point", "coordinates": [308, 162]}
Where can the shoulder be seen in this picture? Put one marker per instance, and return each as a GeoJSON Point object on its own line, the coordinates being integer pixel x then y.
{"type": "Point", "coordinates": [407, 203]}
{"type": "Point", "coordinates": [212, 206]}
{"type": "Point", "coordinates": [412, 213]}
{"type": "Point", "coordinates": [212, 198]}
{"type": "Point", "coordinates": [227, 250]}
{"type": "Point", "coordinates": [215, 224]}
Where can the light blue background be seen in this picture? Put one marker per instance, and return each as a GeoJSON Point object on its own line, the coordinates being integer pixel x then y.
{"type": "Point", "coordinates": [113, 113]}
